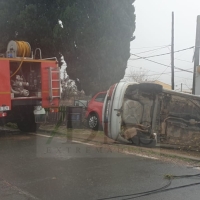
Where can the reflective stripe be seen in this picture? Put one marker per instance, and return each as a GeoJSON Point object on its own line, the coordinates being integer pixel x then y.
{"type": "Point", "coordinates": [48, 91]}
{"type": "Point", "coordinates": [5, 92]}
{"type": "Point", "coordinates": [28, 60]}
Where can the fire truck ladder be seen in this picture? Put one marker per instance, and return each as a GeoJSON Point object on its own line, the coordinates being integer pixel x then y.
{"type": "Point", "coordinates": [52, 79]}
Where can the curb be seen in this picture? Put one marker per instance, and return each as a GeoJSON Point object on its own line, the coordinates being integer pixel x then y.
{"type": "Point", "coordinates": [146, 150]}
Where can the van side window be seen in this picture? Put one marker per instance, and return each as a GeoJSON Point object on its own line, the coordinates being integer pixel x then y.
{"type": "Point", "coordinates": [100, 97]}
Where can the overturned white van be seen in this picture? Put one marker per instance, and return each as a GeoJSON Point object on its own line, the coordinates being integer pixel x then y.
{"type": "Point", "coordinates": [145, 114]}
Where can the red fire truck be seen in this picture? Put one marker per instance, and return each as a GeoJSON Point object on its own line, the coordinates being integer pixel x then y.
{"type": "Point", "coordinates": [29, 85]}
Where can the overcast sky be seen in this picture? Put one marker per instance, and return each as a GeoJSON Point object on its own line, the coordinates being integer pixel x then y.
{"type": "Point", "coordinates": [153, 30]}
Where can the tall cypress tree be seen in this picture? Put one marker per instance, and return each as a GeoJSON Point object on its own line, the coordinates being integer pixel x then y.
{"type": "Point", "coordinates": [95, 39]}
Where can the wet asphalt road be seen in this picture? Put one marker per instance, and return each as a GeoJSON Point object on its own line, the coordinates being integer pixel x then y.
{"type": "Point", "coordinates": [34, 167]}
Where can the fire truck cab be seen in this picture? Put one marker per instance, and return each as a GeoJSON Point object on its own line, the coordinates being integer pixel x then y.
{"type": "Point", "coordinates": [28, 86]}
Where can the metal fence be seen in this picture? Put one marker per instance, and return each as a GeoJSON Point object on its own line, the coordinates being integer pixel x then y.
{"type": "Point", "coordinates": [60, 116]}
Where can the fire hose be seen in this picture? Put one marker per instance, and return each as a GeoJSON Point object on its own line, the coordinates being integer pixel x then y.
{"type": "Point", "coordinates": [23, 50]}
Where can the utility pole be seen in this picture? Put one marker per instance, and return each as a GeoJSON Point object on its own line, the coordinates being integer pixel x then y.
{"type": "Point", "coordinates": [181, 87]}
{"type": "Point", "coordinates": [172, 51]}
{"type": "Point", "coordinates": [196, 56]}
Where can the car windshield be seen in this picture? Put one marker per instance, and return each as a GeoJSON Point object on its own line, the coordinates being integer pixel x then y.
{"type": "Point", "coordinates": [99, 99]}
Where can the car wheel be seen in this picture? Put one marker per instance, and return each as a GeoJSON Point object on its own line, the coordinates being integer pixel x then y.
{"type": "Point", "coordinates": [93, 121]}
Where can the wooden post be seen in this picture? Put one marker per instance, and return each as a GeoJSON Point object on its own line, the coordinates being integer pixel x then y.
{"type": "Point", "coordinates": [196, 55]}
{"type": "Point", "coordinates": [172, 52]}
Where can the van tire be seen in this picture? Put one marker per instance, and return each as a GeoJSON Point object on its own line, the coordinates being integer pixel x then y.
{"type": "Point", "coordinates": [150, 87]}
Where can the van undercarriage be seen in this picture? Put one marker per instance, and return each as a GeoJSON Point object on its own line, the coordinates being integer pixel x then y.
{"type": "Point", "coordinates": [166, 116]}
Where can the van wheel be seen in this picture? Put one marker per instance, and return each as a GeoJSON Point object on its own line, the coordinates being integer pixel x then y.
{"type": "Point", "coordinates": [93, 121]}
{"type": "Point", "coordinates": [150, 87]}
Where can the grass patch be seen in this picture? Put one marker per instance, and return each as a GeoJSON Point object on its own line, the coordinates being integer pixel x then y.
{"type": "Point", "coordinates": [12, 125]}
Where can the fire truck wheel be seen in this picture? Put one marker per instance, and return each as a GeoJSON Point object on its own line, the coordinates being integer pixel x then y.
{"type": "Point", "coordinates": [27, 126]}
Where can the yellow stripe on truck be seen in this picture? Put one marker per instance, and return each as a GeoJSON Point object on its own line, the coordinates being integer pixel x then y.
{"type": "Point", "coordinates": [48, 91]}
{"type": "Point", "coordinates": [5, 92]}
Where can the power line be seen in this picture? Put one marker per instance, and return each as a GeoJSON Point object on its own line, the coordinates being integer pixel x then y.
{"type": "Point", "coordinates": [152, 50]}
{"type": "Point", "coordinates": [156, 74]}
{"type": "Point", "coordinates": [183, 49]}
{"type": "Point", "coordinates": [151, 47]}
{"type": "Point", "coordinates": [142, 68]}
{"type": "Point", "coordinates": [155, 71]}
{"type": "Point", "coordinates": [162, 64]}
{"type": "Point", "coordinates": [167, 73]}
{"type": "Point", "coordinates": [162, 73]}
{"type": "Point", "coordinates": [161, 54]}
{"type": "Point", "coordinates": [166, 67]}
{"type": "Point", "coordinates": [163, 189]}
{"type": "Point", "coordinates": [183, 60]}
{"type": "Point", "coordinates": [184, 70]}
{"type": "Point", "coordinates": [150, 60]}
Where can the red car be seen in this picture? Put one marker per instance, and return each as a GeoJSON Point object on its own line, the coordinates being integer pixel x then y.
{"type": "Point", "coordinates": [94, 111]}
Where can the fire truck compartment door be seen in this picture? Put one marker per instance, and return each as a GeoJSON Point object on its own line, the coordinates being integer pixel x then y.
{"type": "Point", "coordinates": [5, 90]}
